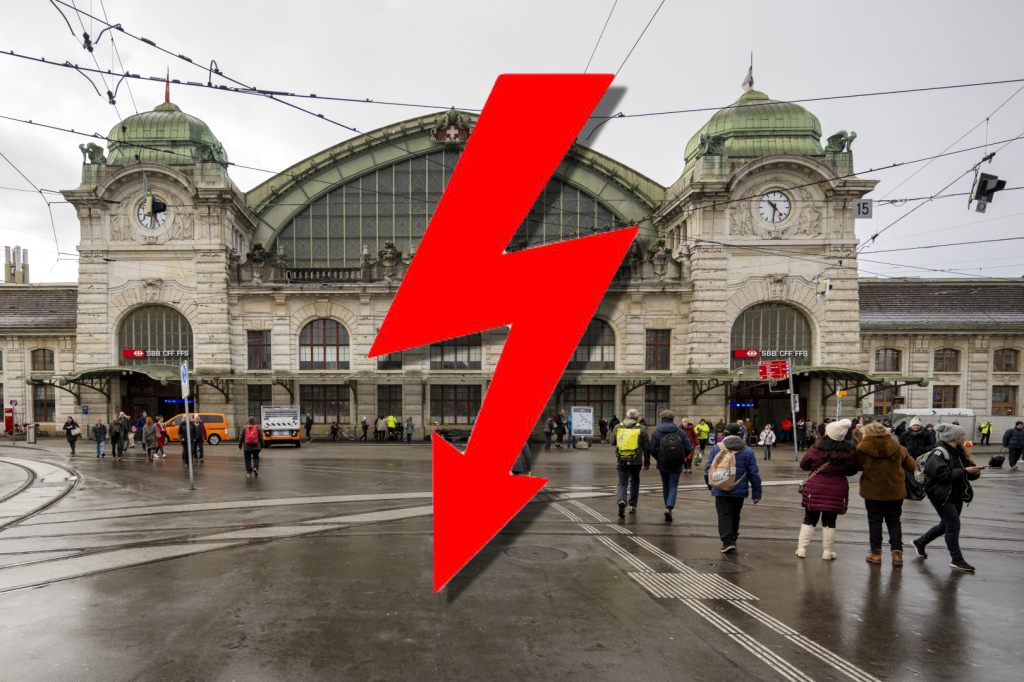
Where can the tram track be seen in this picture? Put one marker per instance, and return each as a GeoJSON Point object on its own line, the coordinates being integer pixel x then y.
{"type": "Point", "coordinates": [36, 481]}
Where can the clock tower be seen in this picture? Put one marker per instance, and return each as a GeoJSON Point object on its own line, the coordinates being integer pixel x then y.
{"type": "Point", "coordinates": [763, 214]}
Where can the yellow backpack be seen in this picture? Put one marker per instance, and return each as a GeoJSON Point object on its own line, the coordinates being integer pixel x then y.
{"type": "Point", "coordinates": [627, 442]}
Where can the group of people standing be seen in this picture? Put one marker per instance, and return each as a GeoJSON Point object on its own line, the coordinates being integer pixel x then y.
{"type": "Point", "coordinates": [151, 434]}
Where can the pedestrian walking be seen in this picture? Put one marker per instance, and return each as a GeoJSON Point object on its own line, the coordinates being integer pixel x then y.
{"type": "Point", "coordinates": [602, 425]}
{"type": "Point", "coordinates": [767, 440]}
{"type": "Point", "coordinates": [99, 434]}
{"type": "Point", "coordinates": [748, 429]}
{"type": "Point", "coordinates": [825, 494]}
{"type": "Point", "coordinates": [161, 436]}
{"type": "Point", "coordinates": [916, 439]}
{"type": "Point", "coordinates": [149, 439]}
{"type": "Point", "coordinates": [570, 438]}
{"type": "Point", "coordinates": [250, 442]}
{"type": "Point", "coordinates": [947, 481]}
{"type": "Point", "coordinates": [612, 423]}
{"type": "Point", "coordinates": [885, 464]}
{"type": "Point", "coordinates": [703, 431]}
{"type": "Point", "coordinates": [985, 429]}
{"type": "Point", "coordinates": [1013, 441]}
{"type": "Point", "coordinates": [365, 425]}
{"type": "Point", "coordinates": [671, 448]}
{"type": "Point", "coordinates": [524, 462]}
{"type": "Point", "coordinates": [132, 433]}
{"type": "Point", "coordinates": [392, 424]}
{"type": "Point", "coordinates": [72, 432]}
{"type": "Point", "coordinates": [690, 432]}
{"type": "Point", "coordinates": [380, 429]}
{"type": "Point", "coordinates": [549, 431]}
{"type": "Point", "coordinates": [140, 423]}
{"type": "Point", "coordinates": [119, 432]}
{"type": "Point", "coordinates": [408, 430]}
{"type": "Point", "coordinates": [334, 431]}
{"type": "Point", "coordinates": [199, 442]}
{"type": "Point", "coordinates": [735, 477]}
{"type": "Point", "coordinates": [187, 434]}
{"type": "Point", "coordinates": [559, 428]}
{"type": "Point", "coordinates": [744, 433]}
{"type": "Point", "coordinates": [309, 427]}
{"type": "Point", "coordinates": [631, 452]}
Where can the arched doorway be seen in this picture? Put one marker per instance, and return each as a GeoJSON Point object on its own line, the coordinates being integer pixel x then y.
{"type": "Point", "coordinates": [769, 331]}
{"type": "Point", "coordinates": [153, 341]}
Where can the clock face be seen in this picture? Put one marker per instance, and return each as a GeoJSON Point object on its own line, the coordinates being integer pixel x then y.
{"type": "Point", "coordinates": [774, 207]}
{"type": "Point", "coordinates": [151, 222]}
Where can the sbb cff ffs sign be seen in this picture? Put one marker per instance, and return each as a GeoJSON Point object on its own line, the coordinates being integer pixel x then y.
{"type": "Point", "coordinates": [773, 369]}
{"type": "Point", "coordinates": [129, 353]}
{"type": "Point", "coordinates": [746, 353]}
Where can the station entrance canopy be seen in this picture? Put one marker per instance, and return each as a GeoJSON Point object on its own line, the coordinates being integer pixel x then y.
{"type": "Point", "coordinates": [834, 379]}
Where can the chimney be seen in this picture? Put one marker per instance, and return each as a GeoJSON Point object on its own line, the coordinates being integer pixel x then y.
{"type": "Point", "coordinates": [8, 269]}
{"type": "Point", "coordinates": [15, 265]}
{"type": "Point", "coordinates": [24, 267]}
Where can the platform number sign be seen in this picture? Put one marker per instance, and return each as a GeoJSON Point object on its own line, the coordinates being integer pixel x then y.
{"type": "Point", "coordinates": [863, 209]}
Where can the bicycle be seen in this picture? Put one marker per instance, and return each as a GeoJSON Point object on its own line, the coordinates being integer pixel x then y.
{"type": "Point", "coordinates": [346, 434]}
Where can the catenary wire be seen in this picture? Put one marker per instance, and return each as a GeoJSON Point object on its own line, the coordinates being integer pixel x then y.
{"type": "Point", "coordinates": [601, 35]}
{"type": "Point", "coordinates": [49, 209]}
{"type": "Point", "coordinates": [640, 37]}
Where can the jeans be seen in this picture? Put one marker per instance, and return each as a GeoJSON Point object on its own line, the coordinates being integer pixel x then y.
{"type": "Point", "coordinates": [828, 519]}
{"type": "Point", "coordinates": [252, 461]}
{"type": "Point", "coordinates": [629, 473]}
{"type": "Point", "coordinates": [889, 511]}
{"type": "Point", "coordinates": [949, 526]}
{"type": "Point", "coordinates": [1015, 455]}
{"type": "Point", "coordinates": [101, 448]}
{"type": "Point", "coordinates": [767, 452]}
{"type": "Point", "coordinates": [728, 509]}
{"type": "Point", "coordinates": [408, 437]}
{"type": "Point", "coordinates": [547, 440]}
{"type": "Point", "coordinates": [71, 442]}
{"type": "Point", "coordinates": [669, 487]}
{"type": "Point", "coordinates": [119, 445]}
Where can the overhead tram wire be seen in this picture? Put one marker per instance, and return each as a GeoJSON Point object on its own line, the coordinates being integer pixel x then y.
{"type": "Point", "coordinates": [601, 35]}
{"type": "Point", "coordinates": [117, 53]}
{"type": "Point", "coordinates": [49, 209]}
{"type": "Point", "coordinates": [639, 37]}
{"type": "Point", "coordinates": [942, 246]}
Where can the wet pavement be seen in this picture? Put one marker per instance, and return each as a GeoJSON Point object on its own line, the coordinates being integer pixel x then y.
{"type": "Point", "coordinates": [321, 569]}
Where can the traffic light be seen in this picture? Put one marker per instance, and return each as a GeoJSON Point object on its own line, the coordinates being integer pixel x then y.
{"type": "Point", "coordinates": [985, 186]}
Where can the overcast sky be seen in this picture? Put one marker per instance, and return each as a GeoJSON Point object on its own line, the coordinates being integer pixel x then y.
{"type": "Point", "coordinates": [449, 53]}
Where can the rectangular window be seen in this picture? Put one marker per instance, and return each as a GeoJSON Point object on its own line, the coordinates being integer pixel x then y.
{"type": "Point", "coordinates": [44, 405]}
{"type": "Point", "coordinates": [1004, 401]}
{"type": "Point", "coordinates": [947, 360]}
{"type": "Point", "coordinates": [390, 361]}
{"type": "Point", "coordinates": [601, 398]}
{"type": "Point", "coordinates": [887, 360]}
{"type": "Point", "coordinates": [389, 400]}
{"type": "Point", "coordinates": [656, 399]}
{"type": "Point", "coordinates": [326, 402]}
{"type": "Point", "coordinates": [42, 360]}
{"type": "Point", "coordinates": [658, 343]}
{"type": "Point", "coordinates": [945, 396]}
{"type": "Point", "coordinates": [1005, 360]}
{"type": "Point", "coordinates": [259, 349]}
{"type": "Point", "coordinates": [461, 353]}
{"type": "Point", "coordinates": [884, 400]}
{"type": "Point", "coordinates": [454, 404]}
{"type": "Point", "coordinates": [259, 395]}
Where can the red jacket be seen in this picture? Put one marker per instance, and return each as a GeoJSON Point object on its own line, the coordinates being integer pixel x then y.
{"type": "Point", "coordinates": [690, 433]}
{"type": "Point", "coordinates": [787, 425]}
{"type": "Point", "coordinates": [829, 489]}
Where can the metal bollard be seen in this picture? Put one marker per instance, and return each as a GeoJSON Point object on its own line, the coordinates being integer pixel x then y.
{"type": "Point", "coordinates": [30, 434]}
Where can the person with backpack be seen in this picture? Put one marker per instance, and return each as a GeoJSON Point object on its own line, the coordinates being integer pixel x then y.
{"type": "Point", "coordinates": [731, 474]}
{"type": "Point", "coordinates": [885, 464]}
{"type": "Point", "coordinates": [1013, 441]}
{"type": "Point", "coordinates": [947, 474]}
{"type": "Point", "coordinates": [767, 439]}
{"type": "Point", "coordinates": [250, 442]}
{"type": "Point", "coordinates": [825, 494]}
{"type": "Point", "coordinates": [631, 452]}
{"type": "Point", "coordinates": [671, 449]}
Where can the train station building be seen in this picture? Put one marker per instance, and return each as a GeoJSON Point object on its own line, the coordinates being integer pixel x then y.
{"type": "Point", "coordinates": [273, 296]}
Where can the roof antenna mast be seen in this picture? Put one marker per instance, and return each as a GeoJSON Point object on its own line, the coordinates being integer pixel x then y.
{"type": "Point", "coordinates": [748, 82]}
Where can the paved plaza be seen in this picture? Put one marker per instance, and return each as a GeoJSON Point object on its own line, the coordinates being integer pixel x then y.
{"type": "Point", "coordinates": [321, 569]}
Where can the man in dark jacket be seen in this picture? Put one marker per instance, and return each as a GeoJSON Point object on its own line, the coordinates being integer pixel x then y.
{"type": "Point", "coordinates": [250, 442]}
{"type": "Point", "coordinates": [185, 441]}
{"type": "Point", "coordinates": [677, 451]}
{"type": "Point", "coordinates": [631, 451]}
{"type": "Point", "coordinates": [1013, 441]}
{"type": "Point", "coordinates": [119, 435]}
{"type": "Point", "coordinates": [729, 503]}
{"type": "Point", "coordinates": [916, 440]}
{"type": "Point", "coordinates": [947, 476]}
{"type": "Point", "coordinates": [559, 428]}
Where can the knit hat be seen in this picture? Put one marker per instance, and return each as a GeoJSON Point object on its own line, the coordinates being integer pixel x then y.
{"type": "Point", "coordinates": [915, 422]}
{"type": "Point", "coordinates": [948, 433]}
{"type": "Point", "coordinates": [734, 443]}
{"type": "Point", "coordinates": [733, 429]}
{"type": "Point", "coordinates": [837, 430]}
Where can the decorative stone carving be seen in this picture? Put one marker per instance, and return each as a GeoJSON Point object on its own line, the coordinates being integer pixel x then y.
{"type": "Point", "coordinates": [120, 229]}
{"type": "Point", "coordinates": [183, 227]}
{"type": "Point", "coordinates": [741, 222]}
{"type": "Point", "coordinates": [712, 145]}
{"type": "Point", "coordinates": [92, 153]}
{"type": "Point", "coordinates": [658, 257]}
{"type": "Point", "coordinates": [452, 127]}
{"type": "Point", "coordinates": [840, 142]}
{"type": "Point", "coordinates": [152, 288]}
{"type": "Point", "coordinates": [776, 286]}
{"type": "Point", "coordinates": [388, 258]}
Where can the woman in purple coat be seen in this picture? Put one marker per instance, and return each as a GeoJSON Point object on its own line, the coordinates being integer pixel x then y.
{"type": "Point", "coordinates": [826, 492]}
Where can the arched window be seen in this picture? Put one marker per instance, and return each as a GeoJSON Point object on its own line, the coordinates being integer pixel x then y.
{"type": "Point", "coordinates": [596, 349]}
{"type": "Point", "coordinates": [888, 360]}
{"type": "Point", "coordinates": [947, 360]}
{"type": "Point", "coordinates": [323, 344]}
{"type": "Point", "coordinates": [464, 352]}
{"type": "Point", "coordinates": [395, 203]}
{"type": "Point", "coordinates": [42, 360]}
{"type": "Point", "coordinates": [1005, 360]}
{"type": "Point", "coordinates": [155, 335]}
{"type": "Point", "coordinates": [776, 331]}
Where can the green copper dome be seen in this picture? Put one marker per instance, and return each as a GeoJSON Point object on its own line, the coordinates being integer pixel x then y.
{"type": "Point", "coordinates": [166, 135]}
{"type": "Point", "coordinates": [756, 126]}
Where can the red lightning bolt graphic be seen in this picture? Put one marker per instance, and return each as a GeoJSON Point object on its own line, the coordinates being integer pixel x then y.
{"type": "Point", "coordinates": [509, 158]}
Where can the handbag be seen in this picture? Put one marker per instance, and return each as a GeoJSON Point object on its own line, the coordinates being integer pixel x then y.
{"type": "Point", "coordinates": [76, 432]}
{"type": "Point", "coordinates": [810, 476]}
{"type": "Point", "coordinates": [915, 491]}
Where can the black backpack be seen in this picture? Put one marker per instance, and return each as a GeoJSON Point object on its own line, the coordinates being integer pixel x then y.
{"type": "Point", "coordinates": [671, 452]}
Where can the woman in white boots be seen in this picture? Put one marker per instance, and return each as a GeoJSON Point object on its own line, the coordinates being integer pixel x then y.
{"type": "Point", "coordinates": [826, 492]}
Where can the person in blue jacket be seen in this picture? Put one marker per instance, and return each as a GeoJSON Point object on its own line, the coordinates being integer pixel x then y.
{"type": "Point", "coordinates": [729, 503]}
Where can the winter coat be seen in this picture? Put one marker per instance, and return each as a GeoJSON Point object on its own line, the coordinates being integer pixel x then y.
{"type": "Point", "coordinates": [829, 490]}
{"type": "Point", "coordinates": [1013, 439]}
{"type": "Point", "coordinates": [118, 430]}
{"type": "Point", "coordinates": [945, 477]}
{"type": "Point", "coordinates": [668, 426]}
{"type": "Point", "coordinates": [691, 433]}
{"type": "Point", "coordinates": [917, 442]}
{"type": "Point", "coordinates": [644, 445]}
{"type": "Point", "coordinates": [149, 436]}
{"type": "Point", "coordinates": [884, 462]}
{"type": "Point", "coordinates": [767, 437]}
{"type": "Point", "coordinates": [68, 426]}
{"type": "Point", "coordinates": [99, 433]}
{"type": "Point", "coordinates": [200, 431]}
{"type": "Point", "coordinates": [559, 426]}
{"type": "Point", "coordinates": [747, 475]}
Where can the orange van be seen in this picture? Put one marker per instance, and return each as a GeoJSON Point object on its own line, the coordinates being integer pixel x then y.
{"type": "Point", "coordinates": [216, 426]}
